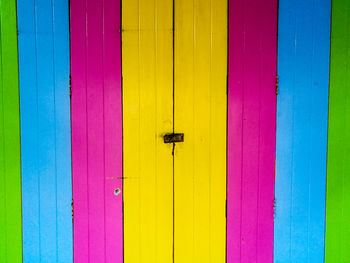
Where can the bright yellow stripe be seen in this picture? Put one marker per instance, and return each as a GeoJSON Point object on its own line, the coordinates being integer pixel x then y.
{"type": "Point", "coordinates": [147, 115]}
{"type": "Point", "coordinates": [200, 113]}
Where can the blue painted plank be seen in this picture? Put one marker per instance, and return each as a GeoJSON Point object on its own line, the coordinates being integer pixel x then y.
{"type": "Point", "coordinates": [302, 113]}
{"type": "Point", "coordinates": [45, 130]}
{"type": "Point", "coordinates": [63, 133]}
{"type": "Point", "coordinates": [29, 138]}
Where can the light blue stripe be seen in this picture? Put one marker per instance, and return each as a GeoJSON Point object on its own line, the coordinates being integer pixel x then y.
{"type": "Point", "coordinates": [45, 130]}
{"type": "Point", "coordinates": [302, 113]}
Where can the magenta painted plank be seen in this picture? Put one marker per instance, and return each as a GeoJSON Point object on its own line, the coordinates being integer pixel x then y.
{"type": "Point", "coordinates": [251, 130]}
{"type": "Point", "coordinates": [95, 135]}
{"type": "Point", "coordinates": [96, 130]}
{"type": "Point", "coordinates": [79, 130]}
{"type": "Point", "coordinates": [113, 131]}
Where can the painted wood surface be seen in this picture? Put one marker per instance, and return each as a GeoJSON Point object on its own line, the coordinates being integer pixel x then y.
{"type": "Point", "coordinates": [96, 130]}
{"type": "Point", "coordinates": [43, 43]}
{"type": "Point", "coordinates": [251, 130]}
{"type": "Point", "coordinates": [10, 169]}
{"type": "Point", "coordinates": [147, 115]}
{"type": "Point", "coordinates": [174, 209]}
{"type": "Point", "coordinates": [200, 113]}
{"type": "Point", "coordinates": [302, 113]}
{"type": "Point", "coordinates": [338, 166]}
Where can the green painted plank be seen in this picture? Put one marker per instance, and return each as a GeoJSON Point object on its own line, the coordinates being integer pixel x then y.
{"type": "Point", "coordinates": [10, 177]}
{"type": "Point", "coordinates": [338, 171]}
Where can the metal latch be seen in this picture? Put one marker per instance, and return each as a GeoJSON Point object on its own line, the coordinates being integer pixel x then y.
{"type": "Point", "coordinates": [173, 137]}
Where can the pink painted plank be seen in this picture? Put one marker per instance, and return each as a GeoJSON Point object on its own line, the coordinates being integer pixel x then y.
{"type": "Point", "coordinates": [251, 130]}
{"type": "Point", "coordinates": [96, 130]}
{"type": "Point", "coordinates": [95, 136]}
{"type": "Point", "coordinates": [113, 131]}
{"type": "Point", "coordinates": [79, 131]}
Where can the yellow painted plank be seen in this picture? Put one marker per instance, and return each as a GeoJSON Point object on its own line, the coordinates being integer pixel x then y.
{"type": "Point", "coordinates": [147, 114]}
{"type": "Point", "coordinates": [200, 113]}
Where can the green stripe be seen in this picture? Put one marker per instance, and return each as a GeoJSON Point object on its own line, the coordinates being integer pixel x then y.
{"type": "Point", "coordinates": [338, 171]}
{"type": "Point", "coordinates": [10, 176]}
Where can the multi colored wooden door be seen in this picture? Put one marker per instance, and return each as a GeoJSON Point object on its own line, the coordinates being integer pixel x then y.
{"type": "Point", "coordinates": [10, 162]}
{"type": "Point", "coordinates": [96, 130]}
{"type": "Point", "coordinates": [174, 81]}
{"type": "Point", "coordinates": [338, 166]}
{"type": "Point", "coordinates": [251, 130]}
{"type": "Point", "coordinates": [43, 43]}
{"type": "Point", "coordinates": [302, 113]}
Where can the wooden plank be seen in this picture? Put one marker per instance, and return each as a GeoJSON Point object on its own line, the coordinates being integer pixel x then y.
{"type": "Point", "coordinates": [96, 130]}
{"type": "Point", "coordinates": [200, 113]}
{"type": "Point", "coordinates": [113, 131]}
{"type": "Point", "coordinates": [45, 130]}
{"type": "Point", "coordinates": [302, 113]}
{"type": "Point", "coordinates": [29, 139]}
{"type": "Point", "coordinates": [79, 130]}
{"type": "Point", "coordinates": [338, 166]}
{"type": "Point", "coordinates": [10, 174]}
{"type": "Point", "coordinates": [251, 130]}
{"type": "Point", "coordinates": [147, 116]}
{"type": "Point", "coordinates": [63, 131]}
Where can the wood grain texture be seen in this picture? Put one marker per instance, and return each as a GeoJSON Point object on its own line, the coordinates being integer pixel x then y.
{"type": "Point", "coordinates": [302, 114]}
{"type": "Point", "coordinates": [251, 130]}
{"type": "Point", "coordinates": [43, 42]}
{"type": "Point", "coordinates": [96, 130]}
{"type": "Point", "coordinates": [147, 116]}
{"type": "Point", "coordinates": [200, 113]}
